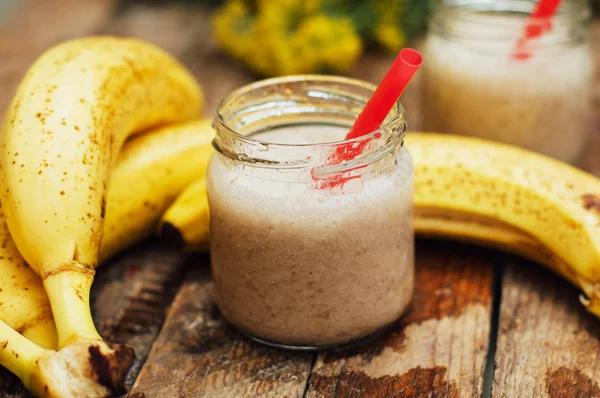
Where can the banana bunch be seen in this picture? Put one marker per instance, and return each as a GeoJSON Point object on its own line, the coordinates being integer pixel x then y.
{"type": "Point", "coordinates": [59, 146]}
{"type": "Point", "coordinates": [486, 193]}
{"type": "Point", "coordinates": [152, 169]}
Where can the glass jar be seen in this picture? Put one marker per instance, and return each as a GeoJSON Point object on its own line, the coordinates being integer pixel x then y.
{"type": "Point", "coordinates": [307, 253]}
{"type": "Point", "coordinates": [474, 86]}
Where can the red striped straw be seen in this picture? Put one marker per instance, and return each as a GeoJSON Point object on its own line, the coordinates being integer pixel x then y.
{"type": "Point", "coordinates": [539, 22]}
{"type": "Point", "coordinates": [379, 105]}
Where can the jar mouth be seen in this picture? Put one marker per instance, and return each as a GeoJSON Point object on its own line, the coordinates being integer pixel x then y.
{"type": "Point", "coordinates": [458, 18]}
{"type": "Point", "coordinates": [293, 100]}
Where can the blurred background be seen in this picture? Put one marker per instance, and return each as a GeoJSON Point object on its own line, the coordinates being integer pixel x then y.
{"type": "Point", "coordinates": [228, 43]}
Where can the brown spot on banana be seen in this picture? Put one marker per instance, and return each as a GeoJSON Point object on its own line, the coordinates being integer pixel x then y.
{"type": "Point", "coordinates": [591, 202]}
{"type": "Point", "coordinates": [103, 208]}
{"type": "Point", "coordinates": [45, 314]}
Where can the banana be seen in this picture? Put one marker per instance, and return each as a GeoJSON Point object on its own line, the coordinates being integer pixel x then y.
{"type": "Point", "coordinates": [511, 199]}
{"type": "Point", "coordinates": [151, 171]}
{"type": "Point", "coordinates": [62, 133]}
{"type": "Point", "coordinates": [496, 195]}
{"type": "Point", "coordinates": [186, 221]}
{"type": "Point", "coordinates": [75, 371]}
{"type": "Point", "coordinates": [24, 305]}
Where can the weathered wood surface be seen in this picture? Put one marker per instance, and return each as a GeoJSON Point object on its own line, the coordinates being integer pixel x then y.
{"type": "Point", "coordinates": [131, 295]}
{"type": "Point", "coordinates": [206, 357]}
{"type": "Point", "coordinates": [547, 344]}
{"type": "Point", "coordinates": [438, 348]}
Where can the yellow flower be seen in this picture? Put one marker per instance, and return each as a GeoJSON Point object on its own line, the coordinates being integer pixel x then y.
{"type": "Point", "coordinates": [388, 33]}
{"type": "Point", "coordinates": [389, 36]}
{"type": "Point", "coordinates": [286, 37]}
{"type": "Point", "coordinates": [233, 28]}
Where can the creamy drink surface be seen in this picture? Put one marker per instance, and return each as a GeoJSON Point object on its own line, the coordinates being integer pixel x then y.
{"type": "Point", "coordinates": [473, 87]}
{"type": "Point", "coordinates": [310, 267]}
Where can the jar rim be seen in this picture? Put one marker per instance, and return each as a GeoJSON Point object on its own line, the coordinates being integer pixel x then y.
{"type": "Point", "coordinates": [224, 128]}
{"type": "Point", "coordinates": [219, 118]}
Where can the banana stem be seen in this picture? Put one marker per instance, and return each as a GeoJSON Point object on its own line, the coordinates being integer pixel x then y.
{"type": "Point", "coordinates": [17, 354]}
{"type": "Point", "coordinates": [69, 294]}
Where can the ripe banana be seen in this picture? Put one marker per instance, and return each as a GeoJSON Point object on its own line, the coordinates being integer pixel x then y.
{"type": "Point", "coordinates": [61, 135]}
{"type": "Point", "coordinates": [186, 222]}
{"type": "Point", "coordinates": [24, 305]}
{"type": "Point", "coordinates": [491, 194]}
{"type": "Point", "coordinates": [512, 199]}
{"type": "Point", "coordinates": [151, 171]}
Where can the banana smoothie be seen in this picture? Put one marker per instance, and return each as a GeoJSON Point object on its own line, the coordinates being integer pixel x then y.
{"type": "Point", "coordinates": [473, 86]}
{"type": "Point", "coordinates": [300, 266]}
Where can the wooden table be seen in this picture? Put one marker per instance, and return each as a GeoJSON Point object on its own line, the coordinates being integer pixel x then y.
{"type": "Point", "coordinates": [481, 322]}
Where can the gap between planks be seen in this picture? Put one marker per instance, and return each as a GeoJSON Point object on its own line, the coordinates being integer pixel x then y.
{"type": "Point", "coordinates": [490, 365]}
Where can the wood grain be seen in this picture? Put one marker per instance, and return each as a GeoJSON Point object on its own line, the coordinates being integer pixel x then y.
{"type": "Point", "coordinates": [437, 349]}
{"type": "Point", "coordinates": [547, 343]}
{"type": "Point", "coordinates": [131, 294]}
{"type": "Point", "coordinates": [199, 355]}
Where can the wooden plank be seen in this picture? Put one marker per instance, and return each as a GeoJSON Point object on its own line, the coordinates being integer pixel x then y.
{"type": "Point", "coordinates": [204, 356]}
{"type": "Point", "coordinates": [547, 343]}
{"type": "Point", "coordinates": [131, 294]}
{"type": "Point", "coordinates": [437, 349]}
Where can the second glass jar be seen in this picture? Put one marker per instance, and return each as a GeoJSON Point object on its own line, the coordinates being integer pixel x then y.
{"type": "Point", "coordinates": [473, 85]}
{"type": "Point", "coordinates": [307, 252]}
